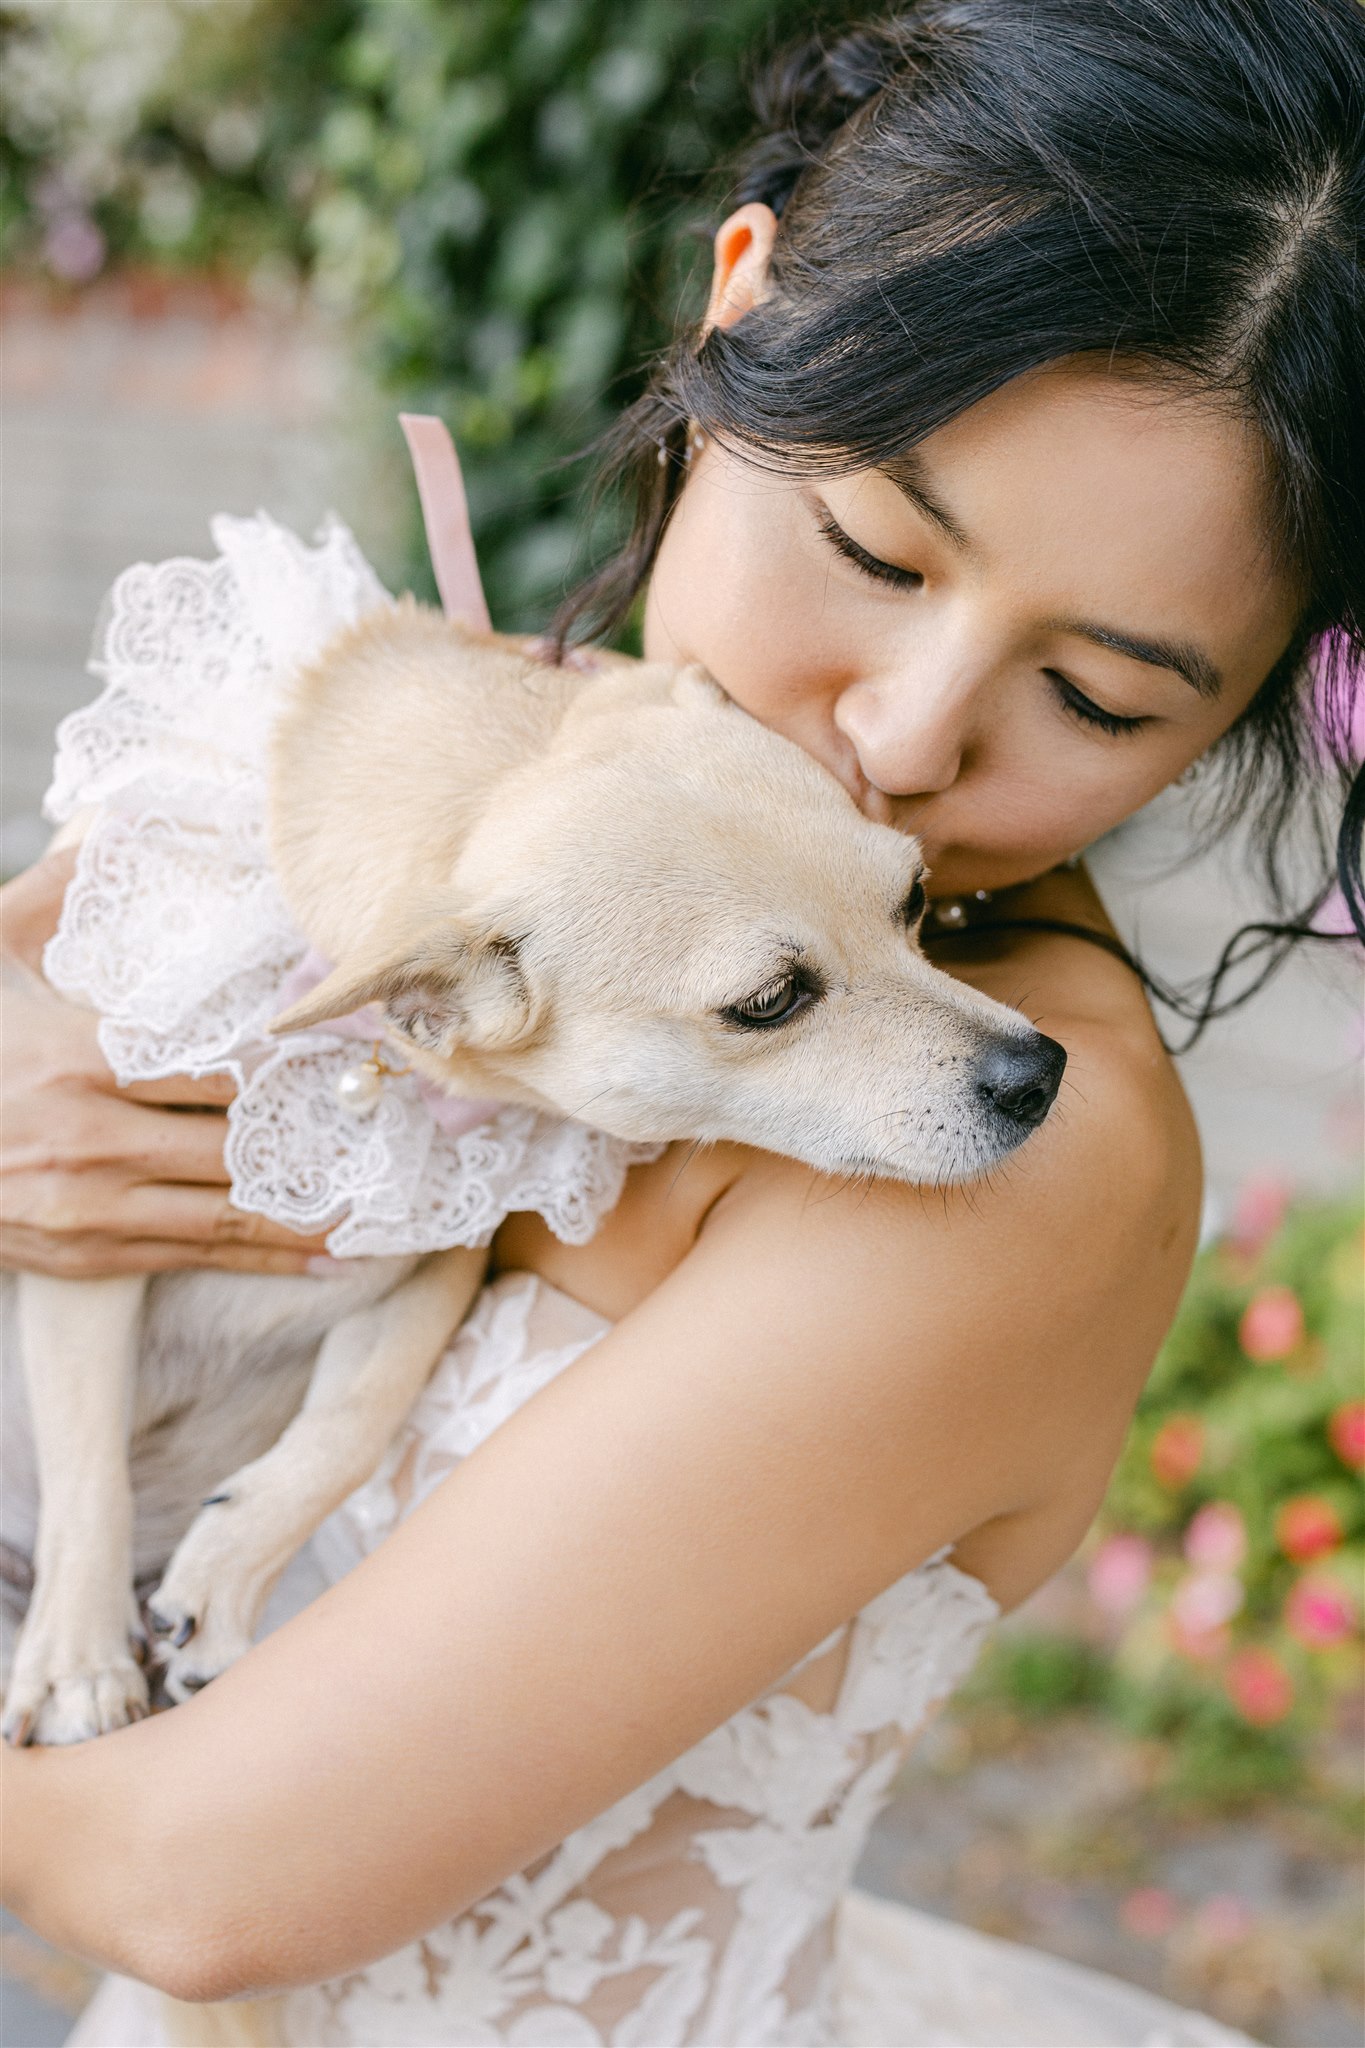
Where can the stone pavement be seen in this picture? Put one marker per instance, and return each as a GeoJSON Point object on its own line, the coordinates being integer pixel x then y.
{"type": "Point", "coordinates": [133, 413]}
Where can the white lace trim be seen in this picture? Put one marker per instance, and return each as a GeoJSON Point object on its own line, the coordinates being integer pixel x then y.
{"type": "Point", "coordinates": [175, 932]}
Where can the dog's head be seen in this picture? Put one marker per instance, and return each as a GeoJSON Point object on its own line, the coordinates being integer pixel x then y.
{"type": "Point", "coordinates": [675, 924]}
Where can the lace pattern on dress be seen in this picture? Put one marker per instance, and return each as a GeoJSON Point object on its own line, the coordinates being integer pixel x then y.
{"type": "Point", "coordinates": [700, 1908]}
{"type": "Point", "coordinates": [175, 932]}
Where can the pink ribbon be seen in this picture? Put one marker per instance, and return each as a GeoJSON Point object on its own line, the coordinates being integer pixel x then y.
{"type": "Point", "coordinates": [445, 513]}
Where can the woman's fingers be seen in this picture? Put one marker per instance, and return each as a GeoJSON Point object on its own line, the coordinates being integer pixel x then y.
{"type": "Point", "coordinates": [92, 1256]}
{"type": "Point", "coordinates": [60, 1220]}
{"type": "Point", "coordinates": [162, 1144]}
{"type": "Point", "coordinates": [209, 1091]}
{"type": "Point", "coordinates": [205, 1216]}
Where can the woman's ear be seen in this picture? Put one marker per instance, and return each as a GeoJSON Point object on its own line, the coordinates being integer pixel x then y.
{"type": "Point", "coordinates": [744, 247]}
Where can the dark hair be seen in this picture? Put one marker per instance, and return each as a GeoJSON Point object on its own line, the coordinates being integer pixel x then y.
{"type": "Point", "coordinates": [971, 189]}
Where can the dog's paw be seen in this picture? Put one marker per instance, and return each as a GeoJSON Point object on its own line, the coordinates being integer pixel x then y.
{"type": "Point", "coordinates": [77, 1668]}
{"type": "Point", "coordinates": [43, 1706]}
{"type": "Point", "coordinates": [203, 1613]}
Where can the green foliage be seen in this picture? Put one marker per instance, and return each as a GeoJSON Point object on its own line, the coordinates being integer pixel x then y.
{"type": "Point", "coordinates": [499, 194]}
{"type": "Point", "coordinates": [1044, 1673]}
{"type": "Point", "coordinates": [508, 186]}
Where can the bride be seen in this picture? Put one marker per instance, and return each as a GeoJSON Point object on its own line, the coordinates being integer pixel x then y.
{"type": "Point", "coordinates": [1017, 467]}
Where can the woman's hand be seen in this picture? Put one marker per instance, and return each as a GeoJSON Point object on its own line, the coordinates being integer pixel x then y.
{"type": "Point", "coordinates": [95, 1178]}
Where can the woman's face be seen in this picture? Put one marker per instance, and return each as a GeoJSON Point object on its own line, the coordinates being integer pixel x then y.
{"type": "Point", "coordinates": [1010, 643]}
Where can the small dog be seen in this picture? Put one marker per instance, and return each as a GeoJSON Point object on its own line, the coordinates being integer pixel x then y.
{"type": "Point", "coordinates": [609, 894]}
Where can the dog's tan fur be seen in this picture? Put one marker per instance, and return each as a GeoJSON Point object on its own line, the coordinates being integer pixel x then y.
{"type": "Point", "coordinates": [558, 885]}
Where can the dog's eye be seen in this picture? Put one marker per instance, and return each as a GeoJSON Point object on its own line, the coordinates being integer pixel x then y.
{"type": "Point", "coordinates": [912, 910]}
{"type": "Point", "coordinates": [775, 1004]}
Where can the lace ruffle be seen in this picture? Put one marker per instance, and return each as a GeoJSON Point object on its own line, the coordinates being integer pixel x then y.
{"type": "Point", "coordinates": [175, 932]}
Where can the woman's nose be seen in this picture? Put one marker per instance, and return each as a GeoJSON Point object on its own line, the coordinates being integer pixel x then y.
{"type": "Point", "coordinates": [910, 732]}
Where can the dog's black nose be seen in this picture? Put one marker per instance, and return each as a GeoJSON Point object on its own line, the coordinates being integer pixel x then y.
{"type": "Point", "coordinates": [1020, 1077]}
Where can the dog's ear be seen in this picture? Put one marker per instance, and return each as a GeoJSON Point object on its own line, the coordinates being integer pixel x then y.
{"type": "Point", "coordinates": [449, 989]}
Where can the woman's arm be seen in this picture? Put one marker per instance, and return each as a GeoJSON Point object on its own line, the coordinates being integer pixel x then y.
{"type": "Point", "coordinates": [94, 1178]}
{"type": "Point", "coordinates": [834, 1383]}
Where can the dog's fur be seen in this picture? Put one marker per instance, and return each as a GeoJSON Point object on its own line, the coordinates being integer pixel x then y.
{"type": "Point", "coordinates": [560, 887]}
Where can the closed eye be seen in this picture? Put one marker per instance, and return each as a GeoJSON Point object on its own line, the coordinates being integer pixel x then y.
{"type": "Point", "coordinates": [1087, 710]}
{"type": "Point", "coordinates": [777, 1002]}
{"type": "Point", "coordinates": [871, 565]}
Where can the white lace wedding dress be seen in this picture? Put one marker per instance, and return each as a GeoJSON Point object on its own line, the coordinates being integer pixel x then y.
{"type": "Point", "coordinates": [713, 1904]}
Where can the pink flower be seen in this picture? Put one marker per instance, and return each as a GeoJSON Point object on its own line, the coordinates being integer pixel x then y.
{"type": "Point", "coordinates": [1259, 1686]}
{"type": "Point", "coordinates": [1259, 1213]}
{"type": "Point", "coordinates": [1203, 1601]}
{"type": "Point", "coordinates": [1307, 1527]}
{"type": "Point", "coordinates": [1272, 1325]}
{"type": "Point", "coordinates": [1177, 1450]}
{"type": "Point", "coordinates": [1319, 1612]}
{"type": "Point", "coordinates": [1149, 1912]}
{"type": "Point", "coordinates": [1346, 1434]}
{"type": "Point", "coordinates": [1120, 1572]}
{"type": "Point", "coordinates": [1216, 1539]}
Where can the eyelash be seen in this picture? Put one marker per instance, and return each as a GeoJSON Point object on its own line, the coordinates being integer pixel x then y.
{"type": "Point", "coordinates": [1073, 700]}
{"type": "Point", "coordinates": [871, 565]}
{"type": "Point", "coordinates": [1080, 706]}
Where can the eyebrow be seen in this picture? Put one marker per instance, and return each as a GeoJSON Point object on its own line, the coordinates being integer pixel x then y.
{"type": "Point", "coordinates": [906, 472]}
{"type": "Point", "coordinates": [1182, 657]}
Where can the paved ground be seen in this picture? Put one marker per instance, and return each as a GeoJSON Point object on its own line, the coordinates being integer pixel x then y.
{"type": "Point", "coordinates": [127, 421]}
{"type": "Point", "coordinates": [1051, 1833]}
{"type": "Point", "coordinates": [129, 417]}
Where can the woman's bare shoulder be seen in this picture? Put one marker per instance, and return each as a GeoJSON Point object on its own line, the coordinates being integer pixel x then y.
{"type": "Point", "coordinates": [1037, 1297]}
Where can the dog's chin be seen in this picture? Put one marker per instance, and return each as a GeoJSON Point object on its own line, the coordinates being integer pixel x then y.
{"type": "Point", "coordinates": [957, 1165]}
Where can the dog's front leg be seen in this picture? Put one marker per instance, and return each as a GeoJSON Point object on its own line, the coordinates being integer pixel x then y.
{"type": "Point", "coordinates": [369, 1371]}
{"type": "Point", "coordinates": [74, 1672]}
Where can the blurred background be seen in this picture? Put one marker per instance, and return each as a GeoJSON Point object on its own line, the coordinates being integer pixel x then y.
{"type": "Point", "coordinates": [236, 237]}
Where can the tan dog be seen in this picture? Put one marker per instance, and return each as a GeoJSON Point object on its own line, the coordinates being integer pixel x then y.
{"type": "Point", "coordinates": [609, 894]}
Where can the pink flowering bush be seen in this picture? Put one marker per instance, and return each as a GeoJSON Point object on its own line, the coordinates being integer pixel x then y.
{"type": "Point", "coordinates": [1225, 1577]}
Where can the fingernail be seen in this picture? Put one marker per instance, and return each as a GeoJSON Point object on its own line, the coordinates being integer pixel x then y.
{"type": "Point", "coordinates": [324, 1268]}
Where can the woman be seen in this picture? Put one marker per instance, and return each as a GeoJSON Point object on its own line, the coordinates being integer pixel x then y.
{"type": "Point", "coordinates": [1017, 467]}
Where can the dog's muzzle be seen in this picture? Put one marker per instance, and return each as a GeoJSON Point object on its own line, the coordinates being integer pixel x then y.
{"type": "Point", "coordinates": [1019, 1077]}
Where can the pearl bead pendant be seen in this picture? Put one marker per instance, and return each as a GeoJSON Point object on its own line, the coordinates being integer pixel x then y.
{"type": "Point", "coordinates": [360, 1088]}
